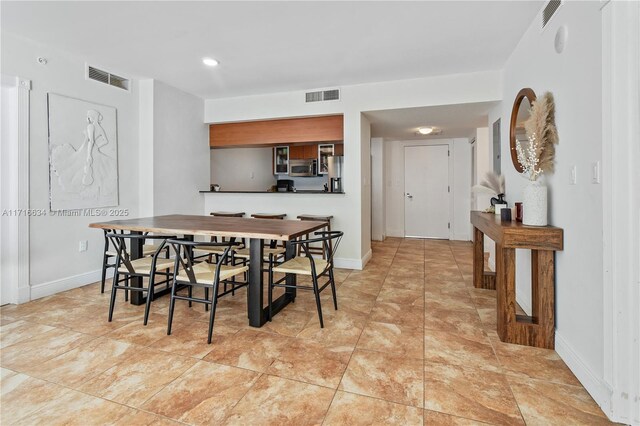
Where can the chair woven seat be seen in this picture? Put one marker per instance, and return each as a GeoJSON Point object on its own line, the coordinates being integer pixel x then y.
{"type": "Point", "coordinates": [143, 265]}
{"type": "Point", "coordinates": [300, 265]}
{"type": "Point", "coordinates": [148, 249]}
{"type": "Point", "coordinates": [205, 272]}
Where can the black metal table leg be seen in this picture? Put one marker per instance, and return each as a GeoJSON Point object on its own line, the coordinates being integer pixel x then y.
{"type": "Point", "coordinates": [255, 304]}
{"type": "Point", "coordinates": [137, 297]}
{"type": "Point", "coordinates": [291, 278]}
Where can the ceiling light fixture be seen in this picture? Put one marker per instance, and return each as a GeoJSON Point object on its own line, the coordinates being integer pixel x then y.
{"type": "Point", "coordinates": [425, 130]}
{"type": "Point", "coordinates": [210, 62]}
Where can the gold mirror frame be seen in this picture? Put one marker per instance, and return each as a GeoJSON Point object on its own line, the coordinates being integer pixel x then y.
{"type": "Point", "coordinates": [531, 97]}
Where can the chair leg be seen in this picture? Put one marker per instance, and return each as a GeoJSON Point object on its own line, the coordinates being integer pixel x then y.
{"type": "Point", "coordinates": [104, 273]}
{"type": "Point", "coordinates": [112, 302]}
{"type": "Point", "coordinates": [190, 294]}
{"type": "Point", "coordinates": [317, 294]}
{"type": "Point", "coordinates": [172, 304]}
{"type": "Point", "coordinates": [206, 296]}
{"type": "Point", "coordinates": [126, 292]}
{"type": "Point", "coordinates": [212, 314]}
{"type": "Point", "coordinates": [149, 297]}
{"type": "Point", "coordinates": [333, 289]}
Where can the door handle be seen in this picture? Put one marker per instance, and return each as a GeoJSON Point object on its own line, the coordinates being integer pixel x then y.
{"type": "Point", "coordinates": [409, 195]}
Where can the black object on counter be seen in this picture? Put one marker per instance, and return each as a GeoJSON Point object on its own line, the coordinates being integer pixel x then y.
{"type": "Point", "coordinates": [285, 185]}
{"type": "Point", "coordinates": [505, 214]}
{"type": "Point", "coordinates": [499, 200]}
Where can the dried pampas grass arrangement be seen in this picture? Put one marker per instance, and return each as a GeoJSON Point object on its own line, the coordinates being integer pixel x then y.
{"type": "Point", "coordinates": [493, 184]}
{"type": "Point", "coordinates": [541, 130]}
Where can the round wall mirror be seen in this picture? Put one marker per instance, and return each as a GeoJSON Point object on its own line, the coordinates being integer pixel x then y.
{"type": "Point", "coordinates": [519, 114]}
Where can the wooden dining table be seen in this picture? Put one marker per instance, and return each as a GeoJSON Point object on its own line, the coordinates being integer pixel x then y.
{"type": "Point", "coordinates": [256, 230]}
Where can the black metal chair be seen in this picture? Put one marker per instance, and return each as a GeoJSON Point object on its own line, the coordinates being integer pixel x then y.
{"type": "Point", "coordinates": [144, 267]}
{"type": "Point", "coordinates": [213, 253]}
{"type": "Point", "coordinates": [307, 265]}
{"type": "Point", "coordinates": [203, 275]}
{"type": "Point", "coordinates": [111, 252]}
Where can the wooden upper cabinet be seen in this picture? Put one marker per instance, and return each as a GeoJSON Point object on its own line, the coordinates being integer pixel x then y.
{"type": "Point", "coordinates": [296, 152]}
{"type": "Point", "coordinates": [328, 128]}
{"type": "Point", "coordinates": [310, 152]}
{"type": "Point", "coordinates": [338, 149]}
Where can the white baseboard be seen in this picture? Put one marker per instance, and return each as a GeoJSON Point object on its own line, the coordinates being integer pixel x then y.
{"type": "Point", "coordinates": [64, 284]}
{"type": "Point", "coordinates": [395, 233]}
{"type": "Point", "coordinates": [347, 263]}
{"type": "Point", "coordinates": [597, 388]}
{"type": "Point", "coordinates": [366, 258]}
{"type": "Point", "coordinates": [24, 294]}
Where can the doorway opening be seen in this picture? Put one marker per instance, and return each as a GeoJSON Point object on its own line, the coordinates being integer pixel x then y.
{"type": "Point", "coordinates": [425, 181]}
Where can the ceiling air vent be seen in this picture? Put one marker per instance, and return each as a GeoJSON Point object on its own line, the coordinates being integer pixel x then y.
{"type": "Point", "coordinates": [323, 95]}
{"type": "Point", "coordinates": [549, 10]}
{"type": "Point", "coordinates": [107, 78]}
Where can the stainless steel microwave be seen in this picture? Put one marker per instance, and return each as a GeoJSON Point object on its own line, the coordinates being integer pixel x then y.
{"type": "Point", "coordinates": [303, 168]}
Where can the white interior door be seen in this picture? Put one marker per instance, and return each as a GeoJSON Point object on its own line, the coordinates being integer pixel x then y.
{"type": "Point", "coordinates": [426, 186]}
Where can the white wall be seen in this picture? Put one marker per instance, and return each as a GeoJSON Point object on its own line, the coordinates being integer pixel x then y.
{"type": "Point", "coordinates": [242, 169]}
{"type": "Point", "coordinates": [574, 78]}
{"type": "Point", "coordinates": [355, 99]}
{"type": "Point", "coordinates": [461, 190]}
{"type": "Point", "coordinates": [180, 151]}
{"type": "Point", "coordinates": [378, 228]}
{"type": "Point", "coordinates": [174, 150]}
{"type": "Point", "coordinates": [145, 150]}
{"type": "Point", "coordinates": [8, 198]}
{"type": "Point", "coordinates": [365, 182]}
{"type": "Point", "coordinates": [162, 149]}
{"type": "Point", "coordinates": [56, 262]}
{"type": "Point", "coordinates": [460, 182]}
{"type": "Point", "coordinates": [483, 164]}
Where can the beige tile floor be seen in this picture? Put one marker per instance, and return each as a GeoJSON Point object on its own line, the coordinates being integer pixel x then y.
{"type": "Point", "coordinates": [411, 343]}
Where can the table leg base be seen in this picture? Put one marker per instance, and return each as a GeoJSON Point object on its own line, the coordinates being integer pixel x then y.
{"type": "Point", "coordinates": [525, 332]}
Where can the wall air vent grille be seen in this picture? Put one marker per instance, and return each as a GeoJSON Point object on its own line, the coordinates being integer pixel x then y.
{"type": "Point", "coordinates": [331, 95]}
{"type": "Point", "coordinates": [313, 96]}
{"type": "Point", "coordinates": [549, 10]}
{"type": "Point", "coordinates": [107, 78]}
{"type": "Point", "coordinates": [323, 95]}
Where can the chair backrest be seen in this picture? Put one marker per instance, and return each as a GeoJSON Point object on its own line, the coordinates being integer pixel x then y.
{"type": "Point", "coordinates": [330, 241]}
{"type": "Point", "coordinates": [119, 241]}
{"type": "Point", "coordinates": [184, 255]}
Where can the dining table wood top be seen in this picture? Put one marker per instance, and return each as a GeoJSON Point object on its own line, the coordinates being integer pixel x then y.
{"type": "Point", "coordinates": [265, 229]}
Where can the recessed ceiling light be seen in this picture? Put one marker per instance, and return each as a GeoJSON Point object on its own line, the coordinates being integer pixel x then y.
{"type": "Point", "coordinates": [425, 130]}
{"type": "Point", "coordinates": [210, 62]}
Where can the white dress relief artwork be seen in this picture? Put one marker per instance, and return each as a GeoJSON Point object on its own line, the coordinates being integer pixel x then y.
{"type": "Point", "coordinates": [82, 154]}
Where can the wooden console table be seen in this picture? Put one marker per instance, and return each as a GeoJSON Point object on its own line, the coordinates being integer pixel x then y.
{"type": "Point", "coordinates": [538, 329]}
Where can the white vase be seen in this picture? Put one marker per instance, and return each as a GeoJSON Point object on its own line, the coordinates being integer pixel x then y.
{"type": "Point", "coordinates": [534, 203]}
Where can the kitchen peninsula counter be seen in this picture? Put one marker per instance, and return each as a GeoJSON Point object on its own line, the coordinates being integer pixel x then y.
{"type": "Point", "coordinates": [300, 191]}
{"type": "Point", "coordinates": [344, 207]}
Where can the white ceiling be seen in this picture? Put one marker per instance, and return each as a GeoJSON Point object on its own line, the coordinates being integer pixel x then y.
{"type": "Point", "coordinates": [455, 121]}
{"type": "Point", "coordinates": [267, 47]}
